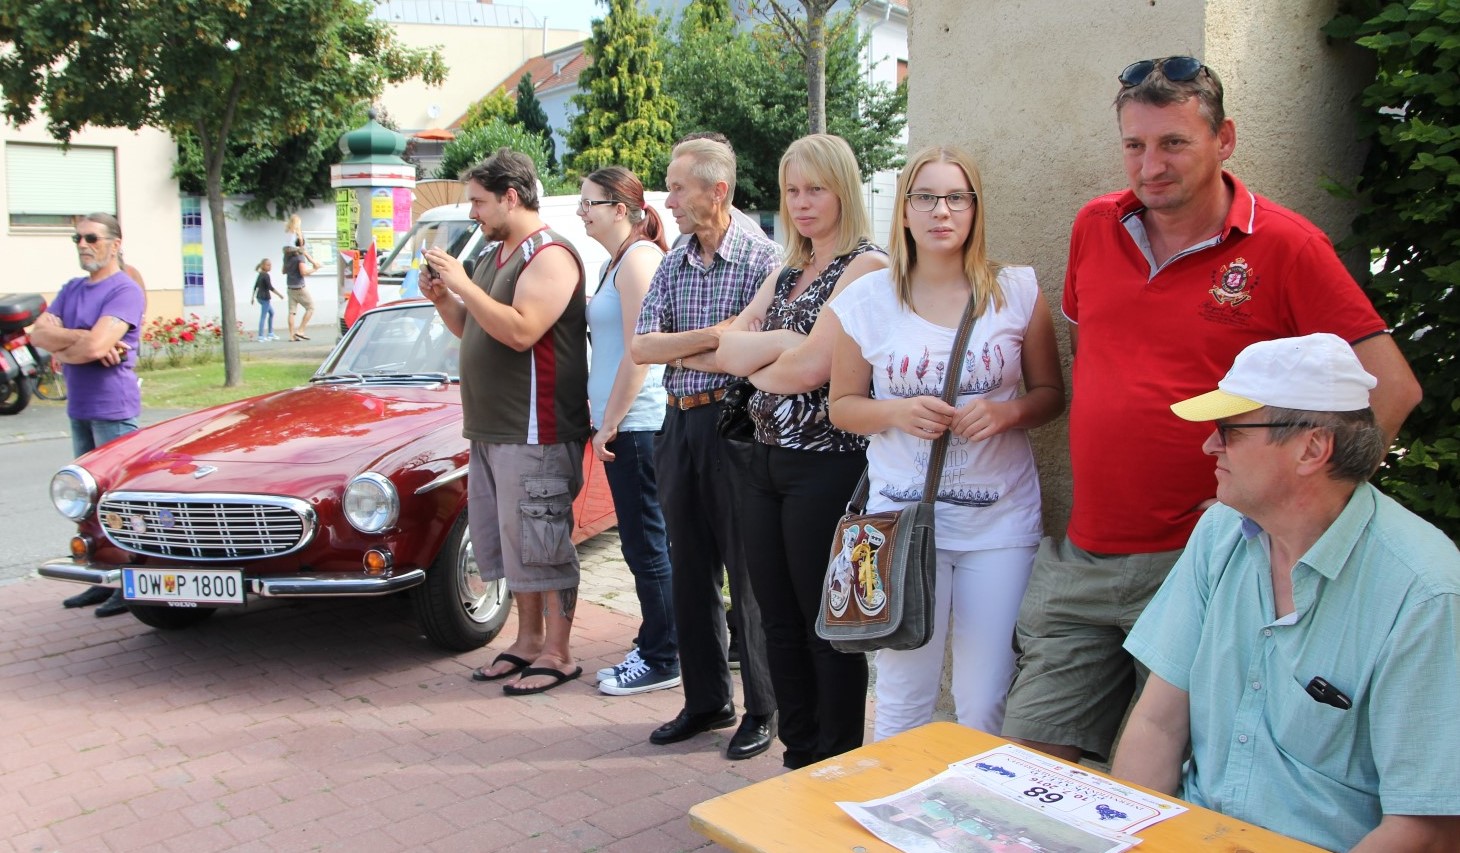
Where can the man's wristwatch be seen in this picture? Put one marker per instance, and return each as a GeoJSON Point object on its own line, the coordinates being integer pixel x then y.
{"type": "Point", "coordinates": [679, 363]}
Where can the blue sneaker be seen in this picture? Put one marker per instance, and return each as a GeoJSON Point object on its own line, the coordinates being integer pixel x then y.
{"type": "Point", "coordinates": [642, 677]}
{"type": "Point", "coordinates": [630, 660]}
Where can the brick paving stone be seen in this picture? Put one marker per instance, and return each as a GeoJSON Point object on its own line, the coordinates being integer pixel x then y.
{"type": "Point", "coordinates": [582, 835]}
{"type": "Point", "coordinates": [654, 840]}
{"type": "Point", "coordinates": [205, 839]}
{"type": "Point", "coordinates": [333, 726]}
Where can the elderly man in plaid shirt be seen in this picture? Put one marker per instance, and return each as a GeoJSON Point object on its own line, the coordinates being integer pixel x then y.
{"type": "Point", "coordinates": [697, 291]}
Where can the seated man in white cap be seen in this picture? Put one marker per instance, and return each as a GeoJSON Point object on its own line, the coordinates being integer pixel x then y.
{"type": "Point", "coordinates": [1307, 644]}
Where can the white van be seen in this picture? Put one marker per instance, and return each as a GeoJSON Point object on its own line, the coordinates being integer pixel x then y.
{"type": "Point", "coordinates": [452, 227]}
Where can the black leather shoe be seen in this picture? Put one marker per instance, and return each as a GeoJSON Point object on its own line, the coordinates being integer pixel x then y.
{"type": "Point", "coordinates": [89, 596]}
{"type": "Point", "coordinates": [113, 606]}
{"type": "Point", "coordinates": [687, 725]}
{"type": "Point", "coordinates": [753, 737]}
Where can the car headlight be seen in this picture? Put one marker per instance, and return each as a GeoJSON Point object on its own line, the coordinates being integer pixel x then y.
{"type": "Point", "coordinates": [73, 492]}
{"type": "Point", "coordinates": [371, 504]}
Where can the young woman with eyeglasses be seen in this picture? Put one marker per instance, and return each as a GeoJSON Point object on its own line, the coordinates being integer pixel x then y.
{"type": "Point", "coordinates": [894, 330]}
{"type": "Point", "coordinates": [627, 402]}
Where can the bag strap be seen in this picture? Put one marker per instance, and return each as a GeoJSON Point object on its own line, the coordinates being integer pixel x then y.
{"type": "Point", "coordinates": [939, 452]}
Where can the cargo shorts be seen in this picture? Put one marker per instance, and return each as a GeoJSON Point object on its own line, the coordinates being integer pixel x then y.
{"type": "Point", "coordinates": [520, 512]}
{"type": "Point", "coordinates": [1075, 679]}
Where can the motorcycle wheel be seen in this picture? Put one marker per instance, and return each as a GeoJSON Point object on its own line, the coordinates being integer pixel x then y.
{"type": "Point", "coordinates": [170, 618]}
{"type": "Point", "coordinates": [14, 395]}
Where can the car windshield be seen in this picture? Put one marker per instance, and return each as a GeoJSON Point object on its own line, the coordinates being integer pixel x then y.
{"type": "Point", "coordinates": [450, 234]}
{"type": "Point", "coordinates": [408, 343]}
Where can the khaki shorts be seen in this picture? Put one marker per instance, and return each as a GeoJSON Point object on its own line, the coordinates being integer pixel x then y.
{"type": "Point", "coordinates": [520, 511]}
{"type": "Point", "coordinates": [1075, 680]}
{"type": "Point", "coordinates": [299, 296]}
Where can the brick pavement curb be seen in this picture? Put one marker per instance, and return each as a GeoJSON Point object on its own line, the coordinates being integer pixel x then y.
{"type": "Point", "coordinates": [331, 726]}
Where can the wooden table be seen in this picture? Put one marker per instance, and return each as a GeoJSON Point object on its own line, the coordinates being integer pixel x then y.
{"type": "Point", "coordinates": [797, 811]}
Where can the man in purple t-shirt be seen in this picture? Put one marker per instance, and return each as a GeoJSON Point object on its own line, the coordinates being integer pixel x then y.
{"type": "Point", "coordinates": [92, 327]}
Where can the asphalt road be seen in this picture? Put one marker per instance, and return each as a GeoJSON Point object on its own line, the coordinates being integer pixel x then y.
{"type": "Point", "coordinates": [37, 441]}
{"type": "Point", "coordinates": [33, 445]}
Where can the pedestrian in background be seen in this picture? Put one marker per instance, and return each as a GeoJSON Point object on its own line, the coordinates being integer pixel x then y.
{"type": "Point", "coordinates": [263, 291]}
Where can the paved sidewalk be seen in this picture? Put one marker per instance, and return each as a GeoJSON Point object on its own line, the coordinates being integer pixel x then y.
{"type": "Point", "coordinates": [332, 726]}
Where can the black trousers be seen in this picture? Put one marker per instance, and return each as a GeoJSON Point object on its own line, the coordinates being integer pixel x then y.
{"type": "Point", "coordinates": [693, 465]}
{"type": "Point", "coordinates": [791, 501]}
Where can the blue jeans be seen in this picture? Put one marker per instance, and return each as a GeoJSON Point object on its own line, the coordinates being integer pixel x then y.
{"type": "Point", "coordinates": [644, 542]}
{"type": "Point", "coordinates": [266, 317]}
{"type": "Point", "coordinates": [87, 436]}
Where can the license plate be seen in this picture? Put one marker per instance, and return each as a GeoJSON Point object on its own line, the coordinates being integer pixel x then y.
{"type": "Point", "coordinates": [22, 357]}
{"type": "Point", "coordinates": [183, 586]}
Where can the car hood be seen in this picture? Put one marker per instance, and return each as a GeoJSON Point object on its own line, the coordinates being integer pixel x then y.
{"type": "Point", "coordinates": [342, 427]}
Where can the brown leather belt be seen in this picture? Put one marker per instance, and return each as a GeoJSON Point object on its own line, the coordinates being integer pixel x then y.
{"type": "Point", "coordinates": [693, 401]}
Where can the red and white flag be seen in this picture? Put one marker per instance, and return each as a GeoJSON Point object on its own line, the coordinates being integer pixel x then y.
{"type": "Point", "coordinates": [366, 292]}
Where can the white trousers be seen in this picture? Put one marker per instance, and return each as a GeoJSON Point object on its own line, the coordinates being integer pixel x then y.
{"type": "Point", "coordinates": [979, 593]}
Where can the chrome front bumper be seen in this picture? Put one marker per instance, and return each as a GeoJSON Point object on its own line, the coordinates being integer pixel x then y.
{"type": "Point", "coordinates": [353, 585]}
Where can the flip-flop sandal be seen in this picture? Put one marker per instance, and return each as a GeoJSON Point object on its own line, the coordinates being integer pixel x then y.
{"type": "Point", "coordinates": [518, 664]}
{"type": "Point", "coordinates": [559, 677]}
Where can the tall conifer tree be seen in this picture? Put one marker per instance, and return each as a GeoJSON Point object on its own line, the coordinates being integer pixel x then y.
{"type": "Point", "coordinates": [531, 116]}
{"type": "Point", "coordinates": [624, 117]}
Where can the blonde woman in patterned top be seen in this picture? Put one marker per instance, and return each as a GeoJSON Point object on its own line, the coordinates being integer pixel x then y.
{"type": "Point", "coordinates": [802, 468]}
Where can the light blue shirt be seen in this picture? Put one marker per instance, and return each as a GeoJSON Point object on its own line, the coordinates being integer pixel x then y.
{"type": "Point", "coordinates": [606, 325]}
{"type": "Point", "coordinates": [1377, 615]}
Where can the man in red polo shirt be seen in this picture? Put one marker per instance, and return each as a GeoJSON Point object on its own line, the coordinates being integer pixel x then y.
{"type": "Point", "coordinates": [1167, 281]}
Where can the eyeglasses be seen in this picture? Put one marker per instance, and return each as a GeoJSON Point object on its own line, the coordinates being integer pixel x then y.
{"type": "Point", "coordinates": [91, 239]}
{"type": "Point", "coordinates": [586, 203]}
{"type": "Point", "coordinates": [926, 202]}
{"type": "Point", "coordinates": [1222, 428]}
{"type": "Point", "coordinates": [1177, 69]}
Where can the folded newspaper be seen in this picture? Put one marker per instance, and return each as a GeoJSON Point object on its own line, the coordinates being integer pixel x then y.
{"type": "Point", "coordinates": [1011, 799]}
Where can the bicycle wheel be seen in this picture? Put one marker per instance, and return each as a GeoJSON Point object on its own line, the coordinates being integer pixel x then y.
{"type": "Point", "coordinates": [50, 383]}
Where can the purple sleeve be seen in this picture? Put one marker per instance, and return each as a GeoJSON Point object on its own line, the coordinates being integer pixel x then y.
{"type": "Point", "coordinates": [126, 304]}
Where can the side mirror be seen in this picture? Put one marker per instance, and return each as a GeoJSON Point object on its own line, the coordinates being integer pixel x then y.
{"type": "Point", "coordinates": [470, 265]}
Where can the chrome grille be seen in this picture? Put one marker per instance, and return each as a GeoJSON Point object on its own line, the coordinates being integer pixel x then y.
{"type": "Point", "coordinates": [206, 526]}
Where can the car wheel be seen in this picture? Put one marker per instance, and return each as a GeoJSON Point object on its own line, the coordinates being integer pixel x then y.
{"type": "Point", "coordinates": [458, 610]}
{"type": "Point", "coordinates": [170, 618]}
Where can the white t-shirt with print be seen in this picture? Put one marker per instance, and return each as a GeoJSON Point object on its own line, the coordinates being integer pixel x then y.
{"type": "Point", "coordinates": [988, 496]}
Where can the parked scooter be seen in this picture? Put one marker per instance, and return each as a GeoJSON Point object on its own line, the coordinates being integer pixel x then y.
{"type": "Point", "coordinates": [20, 360]}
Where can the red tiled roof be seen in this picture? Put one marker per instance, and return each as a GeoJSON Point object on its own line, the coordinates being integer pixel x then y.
{"type": "Point", "coordinates": [573, 60]}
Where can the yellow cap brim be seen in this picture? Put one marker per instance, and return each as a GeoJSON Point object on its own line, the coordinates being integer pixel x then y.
{"type": "Point", "coordinates": [1213, 406]}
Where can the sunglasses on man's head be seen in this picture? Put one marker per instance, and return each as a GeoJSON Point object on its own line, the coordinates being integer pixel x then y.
{"type": "Point", "coordinates": [91, 239]}
{"type": "Point", "coordinates": [1177, 69]}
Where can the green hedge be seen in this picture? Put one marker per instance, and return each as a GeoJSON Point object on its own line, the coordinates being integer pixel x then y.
{"type": "Point", "coordinates": [1409, 219]}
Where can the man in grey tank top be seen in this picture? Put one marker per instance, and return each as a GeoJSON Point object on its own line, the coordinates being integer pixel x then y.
{"type": "Point", "coordinates": [524, 393]}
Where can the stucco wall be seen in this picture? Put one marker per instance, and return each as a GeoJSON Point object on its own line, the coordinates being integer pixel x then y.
{"type": "Point", "coordinates": [478, 59]}
{"type": "Point", "coordinates": [40, 260]}
{"type": "Point", "coordinates": [1027, 86]}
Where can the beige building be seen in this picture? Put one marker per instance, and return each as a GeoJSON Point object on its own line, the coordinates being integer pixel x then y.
{"type": "Point", "coordinates": [109, 170]}
{"type": "Point", "coordinates": [1027, 86]}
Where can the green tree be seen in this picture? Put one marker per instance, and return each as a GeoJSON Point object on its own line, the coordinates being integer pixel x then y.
{"type": "Point", "coordinates": [495, 105]}
{"type": "Point", "coordinates": [809, 36]}
{"type": "Point", "coordinates": [624, 117]}
{"type": "Point", "coordinates": [471, 147]}
{"type": "Point", "coordinates": [1409, 219]}
{"type": "Point", "coordinates": [223, 70]}
{"type": "Point", "coordinates": [531, 116]}
{"type": "Point", "coordinates": [762, 106]}
{"type": "Point", "coordinates": [277, 179]}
